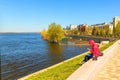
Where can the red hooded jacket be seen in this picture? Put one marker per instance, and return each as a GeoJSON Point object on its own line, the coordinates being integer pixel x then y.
{"type": "Point", "coordinates": [95, 49]}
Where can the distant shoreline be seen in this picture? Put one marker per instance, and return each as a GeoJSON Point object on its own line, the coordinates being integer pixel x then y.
{"type": "Point", "coordinates": [18, 32]}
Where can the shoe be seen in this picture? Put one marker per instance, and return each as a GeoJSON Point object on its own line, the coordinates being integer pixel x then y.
{"type": "Point", "coordinates": [94, 58]}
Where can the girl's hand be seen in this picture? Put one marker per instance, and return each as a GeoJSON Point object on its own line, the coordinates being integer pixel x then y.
{"type": "Point", "coordinates": [88, 49]}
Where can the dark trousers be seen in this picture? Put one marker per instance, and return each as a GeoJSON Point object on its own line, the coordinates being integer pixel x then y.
{"type": "Point", "coordinates": [87, 57]}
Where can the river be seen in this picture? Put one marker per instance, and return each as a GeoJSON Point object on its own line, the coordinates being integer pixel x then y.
{"type": "Point", "coordinates": [25, 53]}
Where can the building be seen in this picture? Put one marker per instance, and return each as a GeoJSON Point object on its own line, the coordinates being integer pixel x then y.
{"type": "Point", "coordinates": [116, 19]}
{"type": "Point", "coordinates": [101, 25]}
{"type": "Point", "coordinates": [71, 27]}
{"type": "Point", "coordinates": [82, 27]}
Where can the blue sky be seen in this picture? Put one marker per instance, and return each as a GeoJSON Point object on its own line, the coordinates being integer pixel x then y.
{"type": "Point", "coordinates": [35, 15]}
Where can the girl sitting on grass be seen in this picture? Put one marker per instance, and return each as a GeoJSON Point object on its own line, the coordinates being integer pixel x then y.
{"type": "Point", "coordinates": [95, 52]}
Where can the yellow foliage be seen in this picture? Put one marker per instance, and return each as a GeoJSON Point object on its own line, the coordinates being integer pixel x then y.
{"type": "Point", "coordinates": [44, 34]}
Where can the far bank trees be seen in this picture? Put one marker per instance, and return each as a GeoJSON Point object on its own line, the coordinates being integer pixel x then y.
{"type": "Point", "coordinates": [104, 31]}
{"type": "Point", "coordinates": [117, 30]}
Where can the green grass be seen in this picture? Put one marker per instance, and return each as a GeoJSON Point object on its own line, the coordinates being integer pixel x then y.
{"type": "Point", "coordinates": [107, 45]}
{"type": "Point", "coordinates": [60, 72]}
{"type": "Point", "coordinates": [64, 70]}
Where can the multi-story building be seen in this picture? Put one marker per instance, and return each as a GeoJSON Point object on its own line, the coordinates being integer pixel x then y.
{"type": "Point", "coordinates": [116, 19]}
{"type": "Point", "coordinates": [71, 27]}
{"type": "Point", "coordinates": [101, 25]}
{"type": "Point", "coordinates": [82, 27]}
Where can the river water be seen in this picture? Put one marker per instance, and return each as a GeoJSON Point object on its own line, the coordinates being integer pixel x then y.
{"type": "Point", "coordinates": [25, 53]}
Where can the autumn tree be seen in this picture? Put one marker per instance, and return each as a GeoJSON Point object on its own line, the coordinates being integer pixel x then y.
{"type": "Point", "coordinates": [107, 30]}
{"type": "Point", "coordinates": [88, 30]}
{"type": "Point", "coordinates": [44, 34]}
{"type": "Point", "coordinates": [55, 33]}
{"type": "Point", "coordinates": [102, 32]}
{"type": "Point", "coordinates": [74, 31]}
{"type": "Point", "coordinates": [117, 30]}
{"type": "Point", "coordinates": [96, 31]}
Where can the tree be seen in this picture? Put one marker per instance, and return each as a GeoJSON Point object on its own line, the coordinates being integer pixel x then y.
{"type": "Point", "coordinates": [88, 30]}
{"type": "Point", "coordinates": [74, 31]}
{"type": "Point", "coordinates": [96, 31]}
{"type": "Point", "coordinates": [107, 30]}
{"type": "Point", "coordinates": [93, 31]}
{"type": "Point", "coordinates": [44, 34]}
{"type": "Point", "coordinates": [102, 32]}
{"type": "Point", "coordinates": [55, 33]}
{"type": "Point", "coordinates": [117, 29]}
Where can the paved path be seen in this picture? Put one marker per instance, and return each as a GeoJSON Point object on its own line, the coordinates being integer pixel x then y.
{"type": "Point", "coordinates": [111, 70]}
{"type": "Point", "coordinates": [92, 70]}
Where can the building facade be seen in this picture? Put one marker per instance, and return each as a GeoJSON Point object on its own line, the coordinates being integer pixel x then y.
{"type": "Point", "coordinates": [82, 27]}
{"type": "Point", "coordinates": [101, 25]}
{"type": "Point", "coordinates": [116, 19]}
{"type": "Point", "coordinates": [71, 27]}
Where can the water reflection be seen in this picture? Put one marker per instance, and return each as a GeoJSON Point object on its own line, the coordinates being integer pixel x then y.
{"type": "Point", "coordinates": [55, 52]}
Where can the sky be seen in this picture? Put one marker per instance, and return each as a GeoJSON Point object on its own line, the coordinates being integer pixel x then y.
{"type": "Point", "coordinates": [36, 15]}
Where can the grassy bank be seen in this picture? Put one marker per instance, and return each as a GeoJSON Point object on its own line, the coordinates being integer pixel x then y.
{"type": "Point", "coordinates": [64, 70]}
{"type": "Point", "coordinates": [107, 45]}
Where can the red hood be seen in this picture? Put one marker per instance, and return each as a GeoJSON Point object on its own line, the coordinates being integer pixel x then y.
{"type": "Point", "coordinates": [92, 42]}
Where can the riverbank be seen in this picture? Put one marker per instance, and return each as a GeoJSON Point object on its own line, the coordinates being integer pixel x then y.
{"type": "Point", "coordinates": [76, 43]}
{"type": "Point", "coordinates": [89, 37]}
{"type": "Point", "coordinates": [56, 72]}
